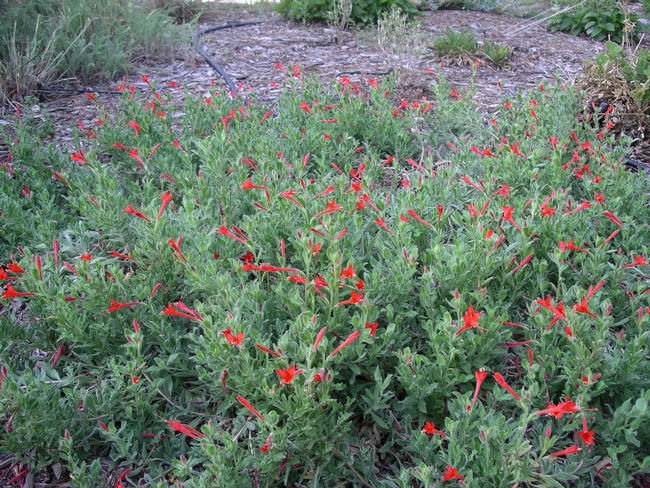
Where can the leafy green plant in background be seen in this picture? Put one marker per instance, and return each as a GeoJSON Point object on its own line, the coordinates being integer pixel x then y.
{"type": "Point", "coordinates": [617, 74]}
{"type": "Point", "coordinates": [462, 47]}
{"type": "Point", "coordinates": [600, 23]}
{"type": "Point", "coordinates": [498, 54]}
{"type": "Point", "coordinates": [363, 11]}
{"type": "Point", "coordinates": [341, 289]}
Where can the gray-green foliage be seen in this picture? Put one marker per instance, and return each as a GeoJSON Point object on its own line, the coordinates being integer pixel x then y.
{"type": "Point", "coordinates": [42, 41]}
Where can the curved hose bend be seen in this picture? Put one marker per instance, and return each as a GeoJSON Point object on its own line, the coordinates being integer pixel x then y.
{"type": "Point", "coordinates": [208, 59]}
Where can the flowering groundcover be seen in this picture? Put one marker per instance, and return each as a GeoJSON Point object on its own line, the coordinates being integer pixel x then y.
{"type": "Point", "coordinates": [340, 289]}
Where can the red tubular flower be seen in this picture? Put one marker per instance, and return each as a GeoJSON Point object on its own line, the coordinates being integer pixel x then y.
{"type": "Point", "coordinates": [295, 278]}
{"type": "Point", "coordinates": [319, 337]}
{"type": "Point", "coordinates": [547, 211]}
{"type": "Point", "coordinates": [570, 245]}
{"type": "Point", "coordinates": [507, 216]}
{"type": "Point", "coordinates": [593, 289]}
{"type": "Point", "coordinates": [381, 223]}
{"type": "Point", "coordinates": [355, 298]}
{"type": "Point", "coordinates": [638, 261]}
{"type": "Point", "coordinates": [305, 107]}
{"type": "Point", "coordinates": [115, 305]}
{"type": "Point", "coordinates": [501, 380]}
{"type": "Point", "coordinates": [39, 267]}
{"type": "Point", "coordinates": [416, 165]}
{"type": "Point", "coordinates": [327, 190]}
{"type": "Point", "coordinates": [340, 234]}
{"type": "Point", "coordinates": [266, 446]}
{"type": "Point", "coordinates": [584, 205]}
{"type": "Point", "coordinates": [613, 218]}
{"type": "Point", "coordinates": [15, 268]}
{"type": "Point", "coordinates": [121, 256]}
{"type": "Point", "coordinates": [185, 429]}
{"type": "Point", "coordinates": [480, 374]}
{"type": "Point", "coordinates": [79, 156]}
{"type": "Point", "coordinates": [166, 198]}
{"type": "Point", "coordinates": [60, 178]}
{"type": "Point", "coordinates": [582, 307]}
{"type": "Point", "coordinates": [568, 450]}
{"type": "Point", "coordinates": [348, 272]}
{"type": "Point", "coordinates": [267, 268]}
{"type": "Point", "coordinates": [289, 196]}
{"type": "Point", "coordinates": [266, 116]}
{"type": "Point", "coordinates": [10, 293]}
{"type": "Point", "coordinates": [55, 247]}
{"type": "Point", "coordinates": [471, 183]}
{"type": "Point", "coordinates": [71, 268]}
{"type": "Point", "coordinates": [287, 375]}
{"type": "Point", "coordinates": [451, 474]}
{"type": "Point", "coordinates": [515, 149]}
{"type": "Point", "coordinates": [170, 310]}
{"type": "Point", "coordinates": [332, 206]}
{"type": "Point", "coordinates": [176, 246]}
{"type": "Point", "coordinates": [560, 409]}
{"type": "Point", "coordinates": [470, 319]}
{"type": "Point", "coordinates": [418, 218]}
{"type": "Point", "coordinates": [249, 185]}
{"type": "Point", "coordinates": [430, 429]}
{"type": "Point", "coordinates": [250, 407]}
{"type": "Point", "coordinates": [90, 197]}
{"type": "Point", "coordinates": [5, 277]}
{"type": "Point", "coordinates": [134, 154]}
{"type": "Point", "coordinates": [346, 342]}
{"type": "Point", "coordinates": [234, 340]}
{"type": "Point", "coordinates": [611, 236]}
{"type": "Point", "coordinates": [268, 351]}
{"type": "Point", "coordinates": [373, 327]}
{"type": "Point", "coordinates": [523, 263]}
{"type": "Point", "coordinates": [223, 230]}
{"type": "Point", "coordinates": [186, 309]}
{"type": "Point", "coordinates": [129, 209]}
{"type": "Point", "coordinates": [136, 127]}
{"type": "Point", "coordinates": [586, 435]}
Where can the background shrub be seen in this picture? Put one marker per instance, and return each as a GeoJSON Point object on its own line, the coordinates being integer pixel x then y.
{"type": "Point", "coordinates": [43, 41]}
{"type": "Point", "coordinates": [363, 11]}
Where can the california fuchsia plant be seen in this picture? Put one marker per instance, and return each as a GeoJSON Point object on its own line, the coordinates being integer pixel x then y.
{"type": "Point", "coordinates": [341, 290]}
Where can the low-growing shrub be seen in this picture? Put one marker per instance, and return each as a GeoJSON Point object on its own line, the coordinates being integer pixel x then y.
{"type": "Point", "coordinates": [600, 23]}
{"type": "Point", "coordinates": [619, 79]}
{"type": "Point", "coordinates": [335, 291]}
{"type": "Point", "coordinates": [363, 11]}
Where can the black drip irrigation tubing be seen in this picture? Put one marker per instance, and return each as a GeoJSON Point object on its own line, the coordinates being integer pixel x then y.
{"type": "Point", "coordinates": [209, 60]}
{"type": "Point", "coordinates": [636, 164]}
